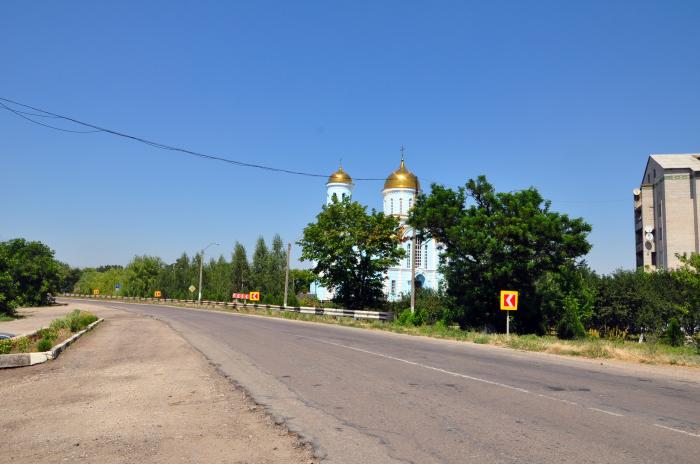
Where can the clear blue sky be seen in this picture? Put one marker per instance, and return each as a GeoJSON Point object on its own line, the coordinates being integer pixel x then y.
{"type": "Point", "coordinates": [570, 97]}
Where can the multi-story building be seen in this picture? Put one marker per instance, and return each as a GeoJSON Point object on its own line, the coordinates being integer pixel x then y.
{"type": "Point", "coordinates": [399, 193]}
{"type": "Point", "coordinates": [667, 210]}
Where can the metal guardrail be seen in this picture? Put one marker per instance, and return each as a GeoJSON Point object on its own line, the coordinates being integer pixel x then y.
{"type": "Point", "coordinates": [335, 312]}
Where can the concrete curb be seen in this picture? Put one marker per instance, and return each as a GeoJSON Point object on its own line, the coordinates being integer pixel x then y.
{"type": "Point", "coordinates": [29, 359]}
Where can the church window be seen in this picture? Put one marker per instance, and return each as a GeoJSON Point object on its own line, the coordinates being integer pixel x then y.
{"type": "Point", "coordinates": [410, 203]}
{"type": "Point", "coordinates": [391, 202]}
{"type": "Point", "coordinates": [408, 255]}
{"type": "Point", "coordinates": [400, 205]}
{"type": "Point", "coordinates": [393, 287]}
{"type": "Point", "coordinates": [425, 255]}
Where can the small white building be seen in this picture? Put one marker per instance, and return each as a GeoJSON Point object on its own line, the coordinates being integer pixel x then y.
{"type": "Point", "coordinates": [399, 193]}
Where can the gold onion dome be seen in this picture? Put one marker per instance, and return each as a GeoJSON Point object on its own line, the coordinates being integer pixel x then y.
{"type": "Point", "coordinates": [340, 177]}
{"type": "Point", "coordinates": [402, 178]}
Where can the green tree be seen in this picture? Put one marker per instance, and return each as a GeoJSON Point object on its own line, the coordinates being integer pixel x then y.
{"type": "Point", "coordinates": [28, 273]}
{"type": "Point", "coordinates": [8, 290]}
{"type": "Point", "coordinates": [141, 276]}
{"type": "Point", "coordinates": [577, 283]}
{"type": "Point", "coordinates": [240, 272]}
{"type": "Point", "coordinates": [276, 264]}
{"type": "Point", "coordinates": [569, 326]}
{"type": "Point", "coordinates": [352, 251]}
{"type": "Point", "coordinates": [674, 334]}
{"type": "Point", "coordinates": [300, 280]}
{"type": "Point", "coordinates": [688, 279]}
{"type": "Point", "coordinates": [218, 284]}
{"type": "Point", "coordinates": [259, 268]}
{"type": "Point", "coordinates": [636, 301]}
{"type": "Point", "coordinates": [69, 277]}
{"type": "Point", "coordinates": [497, 241]}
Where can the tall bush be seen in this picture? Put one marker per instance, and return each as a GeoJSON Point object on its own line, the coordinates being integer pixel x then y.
{"type": "Point", "coordinates": [570, 326]}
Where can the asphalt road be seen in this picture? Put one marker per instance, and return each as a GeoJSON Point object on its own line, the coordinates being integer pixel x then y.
{"type": "Point", "coordinates": [368, 396]}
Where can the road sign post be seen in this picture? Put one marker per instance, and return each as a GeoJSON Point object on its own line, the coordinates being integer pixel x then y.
{"type": "Point", "coordinates": [509, 302]}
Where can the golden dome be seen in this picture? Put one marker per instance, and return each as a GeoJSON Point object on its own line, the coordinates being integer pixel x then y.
{"type": "Point", "coordinates": [402, 178]}
{"type": "Point", "coordinates": [339, 177]}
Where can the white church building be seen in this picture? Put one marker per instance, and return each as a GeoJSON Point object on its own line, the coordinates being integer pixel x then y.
{"type": "Point", "coordinates": [399, 193]}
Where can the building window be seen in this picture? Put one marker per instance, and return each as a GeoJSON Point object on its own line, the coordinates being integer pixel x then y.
{"type": "Point", "coordinates": [410, 203]}
{"type": "Point", "coordinates": [425, 255]}
{"type": "Point", "coordinates": [653, 258]}
{"type": "Point", "coordinates": [391, 202]}
{"type": "Point", "coordinates": [408, 255]}
{"type": "Point", "coordinates": [393, 287]}
{"type": "Point", "coordinates": [400, 205]}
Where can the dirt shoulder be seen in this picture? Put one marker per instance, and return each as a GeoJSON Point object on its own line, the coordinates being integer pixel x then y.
{"type": "Point", "coordinates": [135, 391]}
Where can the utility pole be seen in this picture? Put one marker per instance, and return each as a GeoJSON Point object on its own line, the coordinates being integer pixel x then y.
{"type": "Point", "coordinates": [286, 274]}
{"type": "Point", "coordinates": [201, 265]}
{"type": "Point", "coordinates": [413, 271]}
{"type": "Point", "coordinates": [413, 252]}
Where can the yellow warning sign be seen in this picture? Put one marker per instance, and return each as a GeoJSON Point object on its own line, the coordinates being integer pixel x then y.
{"type": "Point", "coordinates": [509, 300]}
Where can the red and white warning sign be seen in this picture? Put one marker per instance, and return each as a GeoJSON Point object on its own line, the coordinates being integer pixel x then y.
{"type": "Point", "coordinates": [509, 300]}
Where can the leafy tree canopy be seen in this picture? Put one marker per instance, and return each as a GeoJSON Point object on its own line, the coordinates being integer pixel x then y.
{"type": "Point", "coordinates": [352, 250]}
{"type": "Point", "coordinates": [497, 241]}
{"type": "Point", "coordinates": [28, 273]}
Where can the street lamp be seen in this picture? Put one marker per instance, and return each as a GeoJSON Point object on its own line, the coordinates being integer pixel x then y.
{"type": "Point", "coordinates": [201, 263]}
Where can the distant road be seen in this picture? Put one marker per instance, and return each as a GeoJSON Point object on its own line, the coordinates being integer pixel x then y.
{"type": "Point", "coordinates": [371, 397]}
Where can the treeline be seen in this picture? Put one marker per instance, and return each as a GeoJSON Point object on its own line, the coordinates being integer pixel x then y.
{"type": "Point", "coordinates": [221, 277]}
{"type": "Point", "coordinates": [622, 305]}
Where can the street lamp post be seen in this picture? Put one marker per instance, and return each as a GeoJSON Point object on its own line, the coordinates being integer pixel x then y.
{"type": "Point", "coordinates": [413, 261]}
{"type": "Point", "coordinates": [201, 264]}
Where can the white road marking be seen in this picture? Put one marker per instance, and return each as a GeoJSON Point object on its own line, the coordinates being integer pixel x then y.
{"type": "Point", "coordinates": [490, 382]}
{"type": "Point", "coordinates": [607, 412]}
{"type": "Point", "coordinates": [425, 366]}
{"type": "Point", "coordinates": [677, 430]}
{"type": "Point", "coordinates": [562, 400]}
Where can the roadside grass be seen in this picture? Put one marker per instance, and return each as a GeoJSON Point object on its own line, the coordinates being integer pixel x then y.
{"type": "Point", "coordinates": [592, 347]}
{"type": "Point", "coordinates": [6, 318]}
{"type": "Point", "coordinates": [44, 339]}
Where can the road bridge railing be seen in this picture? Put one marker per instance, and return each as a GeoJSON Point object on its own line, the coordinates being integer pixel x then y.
{"type": "Point", "coordinates": [333, 312]}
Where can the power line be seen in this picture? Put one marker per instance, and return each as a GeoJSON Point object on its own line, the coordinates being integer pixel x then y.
{"type": "Point", "coordinates": [21, 114]}
{"type": "Point", "coordinates": [161, 146]}
{"type": "Point", "coordinates": [95, 129]}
